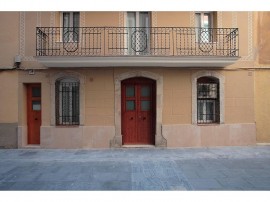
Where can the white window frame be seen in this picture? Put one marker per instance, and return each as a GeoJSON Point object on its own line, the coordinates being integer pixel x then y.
{"type": "Point", "coordinates": [68, 74]}
{"type": "Point", "coordinates": [221, 79]}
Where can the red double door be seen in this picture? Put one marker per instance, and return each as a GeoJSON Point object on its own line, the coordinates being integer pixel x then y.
{"type": "Point", "coordinates": [138, 111]}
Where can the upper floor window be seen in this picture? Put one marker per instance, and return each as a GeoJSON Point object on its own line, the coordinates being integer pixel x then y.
{"type": "Point", "coordinates": [208, 105]}
{"type": "Point", "coordinates": [205, 22]}
{"type": "Point", "coordinates": [71, 24]}
{"type": "Point", "coordinates": [138, 24]}
{"type": "Point", "coordinates": [67, 97]}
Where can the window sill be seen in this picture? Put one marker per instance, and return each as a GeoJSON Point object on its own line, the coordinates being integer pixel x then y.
{"type": "Point", "coordinates": [70, 126]}
{"type": "Point", "coordinates": [209, 42]}
{"type": "Point", "coordinates": [208, 124]}
{"type": "Point", "coordinates": [57, 42]}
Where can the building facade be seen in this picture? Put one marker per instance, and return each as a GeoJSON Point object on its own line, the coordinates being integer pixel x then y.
{"type": "Point", "coordinates": [124, 79]}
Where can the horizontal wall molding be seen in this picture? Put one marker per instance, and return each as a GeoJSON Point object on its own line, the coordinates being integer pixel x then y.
{"type": "Point", "coordinates": [196, 61]}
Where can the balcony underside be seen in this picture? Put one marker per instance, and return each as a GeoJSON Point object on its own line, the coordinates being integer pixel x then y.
{"type": "Point", "coordinates": [129, 61]}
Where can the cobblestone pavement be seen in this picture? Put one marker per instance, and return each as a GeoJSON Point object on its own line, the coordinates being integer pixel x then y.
{"type": "Point", "coordinates": [221, 168]}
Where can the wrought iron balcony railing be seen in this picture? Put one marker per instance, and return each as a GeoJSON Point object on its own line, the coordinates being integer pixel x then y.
{"type": "Point", "coordinates": [137, 41]}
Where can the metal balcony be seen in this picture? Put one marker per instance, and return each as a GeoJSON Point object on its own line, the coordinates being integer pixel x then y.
{"type": "Point", "coordinates": [136, 44]}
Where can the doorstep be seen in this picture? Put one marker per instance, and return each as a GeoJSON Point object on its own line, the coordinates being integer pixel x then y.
{"type": "Point", "coordinates": [31, 146]}
{"type": "Point", "coordinates": [139, 146]}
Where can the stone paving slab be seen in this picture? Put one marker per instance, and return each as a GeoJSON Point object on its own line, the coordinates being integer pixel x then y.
{"type": "Point", "coordinates": [220, 168]}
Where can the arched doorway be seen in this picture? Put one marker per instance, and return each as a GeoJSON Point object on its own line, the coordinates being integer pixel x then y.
{"type": "Point", "coordinates": [138, 111]}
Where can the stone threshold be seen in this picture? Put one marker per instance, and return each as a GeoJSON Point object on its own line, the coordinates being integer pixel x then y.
{"type": "Point", "coordinates": [31, 146]}
{"type": "Point", "coordinates": [139, 146]}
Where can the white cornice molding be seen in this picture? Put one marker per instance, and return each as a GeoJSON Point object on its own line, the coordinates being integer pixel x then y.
{"type": "Point", "coordinates": [192, 61]}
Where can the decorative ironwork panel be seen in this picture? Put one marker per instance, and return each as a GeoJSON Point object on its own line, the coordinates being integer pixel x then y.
{"type": "Point", "coordinates": [117, 41]}
{"type": "Point", "coordinates": [137, 41]}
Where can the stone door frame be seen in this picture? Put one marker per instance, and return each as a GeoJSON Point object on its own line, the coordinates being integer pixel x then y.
{"type": "Point", "coordinates": [160, 141]}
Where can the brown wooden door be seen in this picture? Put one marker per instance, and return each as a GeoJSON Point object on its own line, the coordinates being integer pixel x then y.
{"type": "Point", "coordinates": [33, 113]}
{"type": "Point", "coordinates": [138, 111]}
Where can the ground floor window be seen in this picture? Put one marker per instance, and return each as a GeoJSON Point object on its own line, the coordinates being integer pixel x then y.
{"type": "Point", "coordinates": [208, 105]}
{"type": "Point", "coordinates": [67, 95]}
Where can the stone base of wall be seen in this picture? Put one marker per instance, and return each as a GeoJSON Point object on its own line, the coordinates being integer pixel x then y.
{"type": "Point", "coordinates": [8, 135]}
{"type": "Point", "coordinates": [188, 135]}
{"type": "Point", "coordinates": [76, 137]}
{"type": "Point", "coordinates": [178, 135]}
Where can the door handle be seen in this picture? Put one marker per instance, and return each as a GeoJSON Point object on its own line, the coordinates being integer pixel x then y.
{"type": "Point", "coordinates": [131, 118]}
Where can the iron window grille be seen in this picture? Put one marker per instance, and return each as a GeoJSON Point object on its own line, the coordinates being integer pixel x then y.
{"type": "Point", "coordinates": [208, 104]}
{"type": "Point", "coordinates": [67, 102]}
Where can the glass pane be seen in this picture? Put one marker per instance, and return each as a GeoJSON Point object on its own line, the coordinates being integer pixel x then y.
{"type": "Point", "coordinates": [144, 19]}
{"type": "Point", "coordinates": [130, 105]}
{"type": "Point", "coordinates": [131, 19]}
{"type": "Point", "coordinates": [76, 24]}
{"type": "Point", "coordinates": [198, 20]}
{"type": "Point", "coordinates": [206, 20]}
{"type": "Point", "coordinates": [200, 110]}
{"type": "Point", "coordinates": [145, 91]}
{"type": "Point", "coordinates": [36, 92]}
{"type": "Point", "coordinates": [66, 22]}
{"type": "Point", "coordinates": [76, 19]}
{"type": "Point", "coordinates": [197, 25]}
{"type": "Point", "coordinates": [145, 105]}
{"type": "Point", "coordinates": [210, 110]}
{"type": "Point", "coordinates": [36, 106]}
{"type": "Point", "coordinates": [130, 91]}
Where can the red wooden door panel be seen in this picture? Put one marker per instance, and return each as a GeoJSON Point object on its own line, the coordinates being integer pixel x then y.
{"type": "Point", "coordinates": [33, 113]}
{"type": "Point", "coordinates": [138, 111]}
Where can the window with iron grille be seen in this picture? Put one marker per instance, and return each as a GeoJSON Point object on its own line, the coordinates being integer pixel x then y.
{"type": "Point", "coordinates": [67, 95]}
{"type": "Point", "coordinates": [208, 105]}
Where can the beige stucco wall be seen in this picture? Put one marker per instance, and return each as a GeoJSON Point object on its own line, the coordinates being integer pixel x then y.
{"type": "Point", "coordinates": [8, 108]}
{"type": "Point", "coordinates": [99, 96]}
{"type": "Point", "coordinates": [177, 96]}
{"type": "Point", "coordinates": [262, 77]}
{"type": "Point", "coordinates": [9, 96]}
{"type": "Point", "coordinates": [9, 38]}
{"type": "Point", "coordinates": [263, 39]}
{"type": "Point", "coordinates": [173, 19]}
{"type": "Point", "coordinates": [239, 96]}
{"type": "Point", "coordinates": [262, 106]}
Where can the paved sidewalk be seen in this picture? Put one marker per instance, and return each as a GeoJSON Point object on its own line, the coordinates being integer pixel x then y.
{"type": "Point", "coordinates": [223, 168]}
